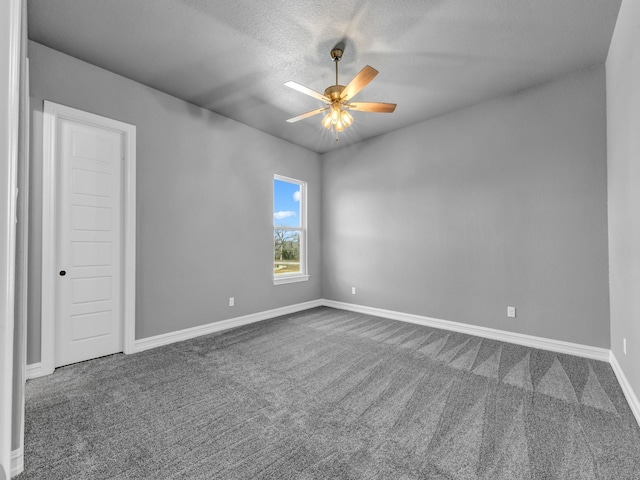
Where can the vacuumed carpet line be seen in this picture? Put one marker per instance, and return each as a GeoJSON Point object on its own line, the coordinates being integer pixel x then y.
{"type": "Point", "coordinates": [330, 394]}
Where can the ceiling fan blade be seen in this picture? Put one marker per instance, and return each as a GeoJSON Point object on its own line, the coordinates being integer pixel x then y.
{"type": "Point", "coordinates": [360, 81]}
{"type": "Point", "coordinates": [308, 114]}
{"type": "Point", "coordinates": [378, 107]}
{"type": "Point", "coordinates": [307, 91]}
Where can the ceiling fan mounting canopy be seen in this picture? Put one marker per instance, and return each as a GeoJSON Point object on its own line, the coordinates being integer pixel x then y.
{"type": "Point", "coordinates": [336, 54]}
{"type": "Point", "coordinates": [338, 98]}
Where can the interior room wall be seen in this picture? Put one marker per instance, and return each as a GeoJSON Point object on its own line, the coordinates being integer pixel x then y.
{"type": "Point", "coordinates": [623, 164]}
{"type": "Point", "coordinates": [204, 201]}
{"type": "Point", "coordinates": [499, 204]}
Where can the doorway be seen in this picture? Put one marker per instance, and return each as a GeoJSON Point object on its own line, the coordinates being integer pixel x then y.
{"type": "Point", "coordinates": [88, 253]}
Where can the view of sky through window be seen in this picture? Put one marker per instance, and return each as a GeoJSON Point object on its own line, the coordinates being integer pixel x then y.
{"type": "Point", "coordinates": [286, 204]}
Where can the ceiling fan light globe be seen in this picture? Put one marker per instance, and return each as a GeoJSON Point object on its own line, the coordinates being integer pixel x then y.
{"type": "Point", "coordinates": [346, 118]}
{"type": "Point", "coordinates": [326, 121]}
{"type": "Point", "coordinates": [335, 114]}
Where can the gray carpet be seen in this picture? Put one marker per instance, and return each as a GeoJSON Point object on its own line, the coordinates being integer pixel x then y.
{"type": "Point", "coordinates": [329, 394]}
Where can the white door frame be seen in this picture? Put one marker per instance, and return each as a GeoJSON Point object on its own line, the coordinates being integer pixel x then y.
{"type": "Point", "coordinates": [10, 40]}
{"type": "Point", "coordinates": [52, 113]}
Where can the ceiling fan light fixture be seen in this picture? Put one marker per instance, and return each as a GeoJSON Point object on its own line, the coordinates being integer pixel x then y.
{"type": "Point", "coordinates": [337, 119]}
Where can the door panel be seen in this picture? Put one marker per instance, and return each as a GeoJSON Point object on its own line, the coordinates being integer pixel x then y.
{"type": "Point", "coordinates": [86, 290]}
{"type": "Point", "coordinates": [89, 233]}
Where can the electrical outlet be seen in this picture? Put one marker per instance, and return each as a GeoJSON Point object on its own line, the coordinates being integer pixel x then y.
{"type": "Point", "coordinates": [232, 301]}
{"type": "Point", "coordinates": [353, 290]}
{"type": "Point", "coordinates": [511, 312]}
{"type": "Point", "coordinates": [624, 345]}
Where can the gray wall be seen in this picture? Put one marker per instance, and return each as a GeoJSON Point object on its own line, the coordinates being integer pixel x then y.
{"type": "Point", "coordinates": [502, 203]}
{"type": "Point", "coordinates": [623, 163]}
{"type": "Point", "coordinates": [204, 200]}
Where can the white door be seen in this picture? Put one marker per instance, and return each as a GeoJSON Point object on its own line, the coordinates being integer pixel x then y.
{"type": "Point", "coordinates": [89, 242]}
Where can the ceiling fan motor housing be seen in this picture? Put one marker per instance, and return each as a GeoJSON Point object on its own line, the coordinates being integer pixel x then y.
{"type": "Point", "coordinates": [333, 92]}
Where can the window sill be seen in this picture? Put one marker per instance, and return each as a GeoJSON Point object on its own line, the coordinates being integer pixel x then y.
{"type": "Point", "coordinates": [290, 279]}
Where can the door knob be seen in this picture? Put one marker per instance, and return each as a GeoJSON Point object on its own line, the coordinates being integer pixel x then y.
{"type": "Point", "coordinates": [62, 273]}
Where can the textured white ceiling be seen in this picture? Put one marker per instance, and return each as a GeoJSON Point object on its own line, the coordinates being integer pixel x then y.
{"type": "Point", "coordinates": [434, 56]}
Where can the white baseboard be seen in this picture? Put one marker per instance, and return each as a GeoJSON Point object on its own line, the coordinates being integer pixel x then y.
{"type": "Point", "coordinates": [35, 370]}
{"type": "Point", "coordinates": [629, 394]}
{"type": "Point", "coordinates": [17, 461]}
{"type": "Point", "coordinates": [559, 346]}
{"type": "Point", "coordinates": [177, 336]}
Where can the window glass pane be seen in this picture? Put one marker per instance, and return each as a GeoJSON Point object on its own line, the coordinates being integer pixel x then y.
{"type": "Point", "coordinates": [286, 204]}
{"type": "Point", "coordinates": [286, 251]}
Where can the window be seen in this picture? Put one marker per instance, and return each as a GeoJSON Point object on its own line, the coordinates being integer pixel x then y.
{"type": "Point", "coordinates": [289, 230]}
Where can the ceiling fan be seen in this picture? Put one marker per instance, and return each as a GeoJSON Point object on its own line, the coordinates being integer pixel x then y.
{"type": "Point", "coordinates": [338, 98]}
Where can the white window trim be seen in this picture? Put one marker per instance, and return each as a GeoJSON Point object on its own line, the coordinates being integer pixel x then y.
{"type": "Point", "coordinates": [293, 278]}
{"type": "Point", "coordinates": [285, 278]}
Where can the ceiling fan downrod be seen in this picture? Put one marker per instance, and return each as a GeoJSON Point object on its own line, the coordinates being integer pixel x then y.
{"type": "Point", "coordinates": [336, 54]}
